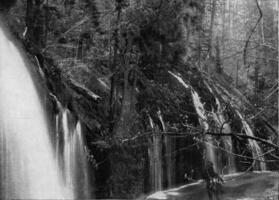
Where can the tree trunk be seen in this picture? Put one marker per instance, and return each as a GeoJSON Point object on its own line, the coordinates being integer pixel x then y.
{"type": "Point", "coordinates": [121, 126]}
{"type": "Point", "coordinates": [36, 23]}
{"type": "Point", "coordinates": [29, 14]}
{"type": "Point", "coordinates": [199, 50]}
{"type": "Point", "coordinates": [114, 68]}
{"type": "Point", "coordinates": [223, 28]}
{"type": "Point", "coordinates": [256, 76]}
{"type": "Point", "coordinates": [211, 33]}
{"type": "Point", "coordinates": [80, 48]}
{"type": "Point", "coordinates": [236, 74]}
{"type": "Point", "coordinates": [169, 159]}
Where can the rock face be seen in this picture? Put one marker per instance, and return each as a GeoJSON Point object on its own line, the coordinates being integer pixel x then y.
{"type": "Point", "coordinates": [251, 185]}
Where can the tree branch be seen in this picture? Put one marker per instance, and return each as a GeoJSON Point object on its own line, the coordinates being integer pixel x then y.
{"type": "Point", "coordinates": [81, 89]}
{"type": "Point", "coordinates": [245, 157]}
{"type": "Point", "coordinates": [183, 134]}
{"type": "Point", "coordinates": [253, 30]}
{"type": "Point", "coordinates": [244, 136]}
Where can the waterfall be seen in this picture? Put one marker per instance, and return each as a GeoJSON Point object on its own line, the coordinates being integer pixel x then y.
{"type": "Point", "coordinates": [28, 166]}
{"type": "Point", "coordinates": [221, 123]}
{"type": "Point", "coordinates": [155, 156]}
{"type": "Point", "coordinates": [200, 110]}
{"type": "Point", "coordinates": [256, 150]}
{"type": "Point", "coordinates": [210, 153]}
{"type": "Point", "coordinates": [169, 145]}
{"type": "Point", "coordinates": [71, 153]}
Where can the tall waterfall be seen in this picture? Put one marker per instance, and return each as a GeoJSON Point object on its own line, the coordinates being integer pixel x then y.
{"type": "Point", "coordinates": [28, 166]}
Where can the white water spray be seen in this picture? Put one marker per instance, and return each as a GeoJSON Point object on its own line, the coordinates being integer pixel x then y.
{"type": "Point", "coordinates": [72, 156]}
{"type": "Point", "coordinates": [256, 150]}
{"type": "Point", "coordinates": [28, 166]}
{"type": "Point", "coordinates": [202, 119]}
{"type": "Point", "coordinates": [155, 156]}
{"type": "Point", "coordinates": [223, 127]}
{"type": "Point", "coordinates": [200, 110]}
{"type": "Point", "coordinates": [210, 151]}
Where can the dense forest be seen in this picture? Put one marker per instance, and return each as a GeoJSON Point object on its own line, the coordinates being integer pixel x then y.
{"type": "Point", "coordinates": [153, 89]}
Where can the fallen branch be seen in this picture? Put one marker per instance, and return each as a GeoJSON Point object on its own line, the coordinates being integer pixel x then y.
{"type": "Point", "coordinates": [81, 89]}
{"type": "Point", "coordinates": [274, 91]}
{"type": "Point", "coordinates": [245, 157]}
{"type": "Point", "coordinates": [237, 53]}
{"type": "Point", "coordinates": [79, 23]}
{"type": "Point", "coordinates": [183, 134]}
{"type": "Point", "coordinates": [244, 136]}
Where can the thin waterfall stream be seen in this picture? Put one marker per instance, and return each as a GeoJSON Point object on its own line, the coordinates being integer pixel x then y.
{"type": "Point", "coordinates": [223, 127]}
{"type": "Point", "coordinates": [256, 150]}
{"type": "Point", "coordinates": [210, 153]}
{"type": "Point", "coordinates": [72, 156]}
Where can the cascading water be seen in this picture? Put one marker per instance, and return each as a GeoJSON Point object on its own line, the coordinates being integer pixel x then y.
{"type": "Point", "coordinates": [169, 149]}
{"type": "Point", "coordinates": [220, 121]}
{"type": "Point", "coordinates": [155, 157]}
{"type": "Point", "coordinates": [225, 127]}
{"type": "Point", "coordinates": [203, 121]}
{"type": "Point", "coordinates": [210, 153]}
{"type": "Point", "coordinates": [256, 150]}
{"type": "Point", "coordinates": [28, 166]}
{"type": "Point", "coordinates": [71, 153]}
{"type": "Point", "coordinates": [200, 110]}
